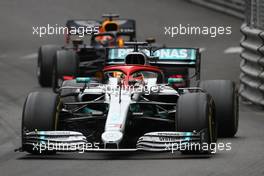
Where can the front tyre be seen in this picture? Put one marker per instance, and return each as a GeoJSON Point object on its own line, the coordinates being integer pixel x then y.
{"type": "Point", "coordinates": [195, 112]}
{"type": "Point", "coordinates": [225, 96]}
{"type": "Point", "coordinates": [39, 113]}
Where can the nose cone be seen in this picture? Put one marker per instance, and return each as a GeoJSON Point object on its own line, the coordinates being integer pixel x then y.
{"type": "Point", "coordinates": [113, 137]}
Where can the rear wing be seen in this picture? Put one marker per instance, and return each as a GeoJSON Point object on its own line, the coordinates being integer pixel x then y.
{"type": "Point", "coordinates": [126, 26]}
{"type": "Point", "coordinates": [167, 59]}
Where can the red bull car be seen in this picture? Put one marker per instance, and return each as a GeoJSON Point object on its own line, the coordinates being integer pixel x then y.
{"type": "Point", "coordinates": [87, 47]}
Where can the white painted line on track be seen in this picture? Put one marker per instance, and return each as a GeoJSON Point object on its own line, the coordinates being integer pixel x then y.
{"type": "Point", "coordinates": [29, 56]}
{"type": "Point", "coordinates": [233, 50]}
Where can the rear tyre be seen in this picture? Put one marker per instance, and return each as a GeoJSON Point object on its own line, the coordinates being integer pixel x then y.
{"type": "Point", "coordinates": [195, 112]}
{"type": "Point", "coordinates": [46, 55]}
{"type": "Point", "coordinates": [225, 96]}
{"type": "Point", "coordinates": [66, 64]}
{"type": "Point", "coordinates": [39, 113]}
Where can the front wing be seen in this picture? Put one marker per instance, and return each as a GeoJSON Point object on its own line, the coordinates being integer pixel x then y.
{"type": "Point", "coordinates": [71, 141]}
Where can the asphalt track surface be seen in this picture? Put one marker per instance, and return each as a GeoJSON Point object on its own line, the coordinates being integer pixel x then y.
{"type": "Point", "coordinates": [18, 49]}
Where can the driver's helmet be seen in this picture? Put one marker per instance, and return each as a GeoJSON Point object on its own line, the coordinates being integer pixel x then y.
{"type": "Point", "coordinates": [104, 38]}
{"type": "Point", "coordinates": [138, 76]}
{"type": "Point", "coordinates": [109, 26]}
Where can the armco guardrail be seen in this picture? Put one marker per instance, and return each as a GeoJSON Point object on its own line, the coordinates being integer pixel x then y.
{"type": "Point", "coordinates": [232, 7]}
{"type": "Point", "coordinates": [252, 56]}
{"type": "Point", "coordinates": [252, 65]}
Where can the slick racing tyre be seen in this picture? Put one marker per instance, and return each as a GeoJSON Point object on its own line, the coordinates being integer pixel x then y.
{"type": "Point", "coordinates": [225, 96]}
{"type": "Point", "coordinates": [39, 113]}
{"type": "Point", "coordinates": [195, 112]}
{"type": "Point", "coordinates": [46, 56]}
{"type": "Point", "coordinates": [66, 63]}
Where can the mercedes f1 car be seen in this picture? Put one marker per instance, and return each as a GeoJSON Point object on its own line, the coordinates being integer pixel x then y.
{"type": "Point", "coordinates": [86, 51]}
{"type": "Point", "coordinates": [132, 108]}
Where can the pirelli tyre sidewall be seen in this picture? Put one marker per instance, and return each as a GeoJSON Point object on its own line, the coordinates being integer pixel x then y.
{"type": "Point", "coordinates": [46, 55]}
{"type": "Point", "coordinates": [225, 96]}
{"type": "Point", "coordinates": [195, 112]}
{"type": "Point", "coordinates": [66, 64]}
{"type": "Point", "coordinates": [39, 113]}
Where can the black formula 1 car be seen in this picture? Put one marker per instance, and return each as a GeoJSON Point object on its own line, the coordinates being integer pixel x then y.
{"type": "Point", "coordinates": [132, 108]}
{"type": "Point", "coordinates": [85, 46]}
